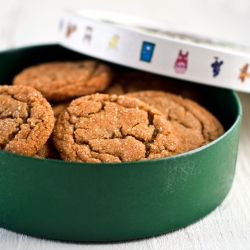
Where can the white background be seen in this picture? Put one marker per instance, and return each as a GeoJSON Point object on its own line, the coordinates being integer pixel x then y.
{"type": "Point", "coordinates": [31, 21]}
{"type": "Point", "coordinates": [25, 22]}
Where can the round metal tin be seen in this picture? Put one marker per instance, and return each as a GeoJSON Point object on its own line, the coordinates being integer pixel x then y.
{"type": "Point", "coordinates": [115, 201]}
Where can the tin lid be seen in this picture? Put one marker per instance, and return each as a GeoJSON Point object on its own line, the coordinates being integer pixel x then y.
{"type": "Point", "coordinates": [150, 46]}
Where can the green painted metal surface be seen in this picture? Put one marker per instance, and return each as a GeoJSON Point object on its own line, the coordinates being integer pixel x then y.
{"type": "Point", "coordinates": [119, 201]}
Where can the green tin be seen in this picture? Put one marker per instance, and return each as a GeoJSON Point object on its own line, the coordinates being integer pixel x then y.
{"type": "Point", "coordinates": [115, 201]}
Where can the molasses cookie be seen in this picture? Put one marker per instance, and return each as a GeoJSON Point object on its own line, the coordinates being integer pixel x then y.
{"type": "Point", "coordinates": [134, 81]}
{"type": "Point", "coordinates": [111, 128]}
{"type": "Point", "coordinates": [26, 120]}
{"type": "Point", "coordinates": [58, 81]}
{"type": "Point", "coordinates": [47, 151]}
{"type": "Point", "coordinates": [194, 125]}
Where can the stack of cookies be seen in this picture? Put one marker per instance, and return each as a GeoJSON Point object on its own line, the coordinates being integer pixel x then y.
{"type": "Point", "coordinates": [87, 112]}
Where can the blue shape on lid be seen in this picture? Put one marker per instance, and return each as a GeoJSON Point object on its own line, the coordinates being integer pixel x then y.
{"type": "Point", "coordinates": [216, 66]}
{"type": "Point", "coordinates": [147, 51]}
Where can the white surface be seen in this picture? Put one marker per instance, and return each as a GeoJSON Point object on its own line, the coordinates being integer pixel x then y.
{"type": "Point", "coordinates": [228, 227]}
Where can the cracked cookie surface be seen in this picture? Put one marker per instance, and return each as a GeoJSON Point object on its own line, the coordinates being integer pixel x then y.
{"type": "Point", "coordinates": [194, 125]}
{"type": "Point", "coordinates": [59, 81]}
{"type": "Point", "coordinates": [26, 120]}
{"type": "Point", "coordinates": [111, 128]}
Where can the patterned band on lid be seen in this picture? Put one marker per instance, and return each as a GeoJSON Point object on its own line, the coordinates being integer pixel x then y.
{"type": "Point", "coordinates": [140, 45]}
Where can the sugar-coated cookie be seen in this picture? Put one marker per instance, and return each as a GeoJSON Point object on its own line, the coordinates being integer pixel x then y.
{"type": "Point", "coordinates": [26, 120]}
{"type": "Point", "coordinates": [59, 81]}
{"type": "Point", "coordinates": [111, 128]}
{"type": "Point", "coordinates": [195, 126]}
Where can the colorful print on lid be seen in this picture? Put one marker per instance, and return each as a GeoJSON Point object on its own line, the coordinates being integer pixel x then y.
{"type": "Point", "coordinates": [216, 66]}
{"type": "Point", "coordinates": [61, 23]}
{"type": "Point", "coordinates": [244, 73]}
{"type": "Point", "coordinates": [70, 29]}
{"type": "Point", "coordinates": [147, 51]}
{"type": "Point", "coordinates": [88, 34]}
{"type": "Point", "coordinates": [113, 42]}
{"type": "Point", "coordinates": [181, 62]}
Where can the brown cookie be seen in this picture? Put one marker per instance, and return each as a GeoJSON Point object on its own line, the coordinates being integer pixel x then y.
{"type": "Point", "coordinates": [58, 81]}
{"type": "Point", "coordinates": [111, 128]}
{"type": "Point", "coordinates": [134, 81]}
{"type": "Point", "coordinates": [26, 120]}
{"type": "Point", "coordinates": [194, 125]}
{"type": "Point", "coordinates": [48, 151]}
